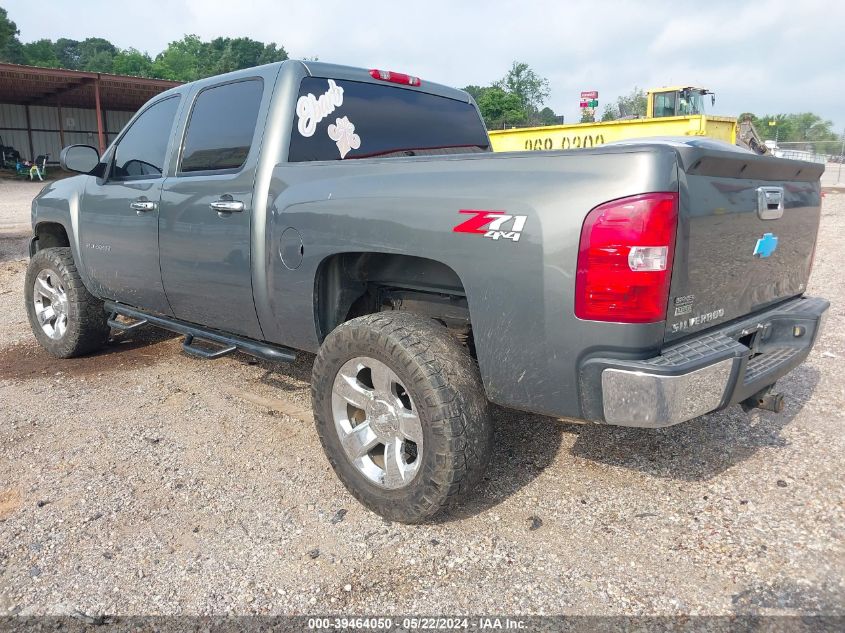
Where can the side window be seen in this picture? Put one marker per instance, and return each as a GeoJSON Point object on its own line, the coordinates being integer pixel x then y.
{"type": "Point", "coordinates": [221, 127]}
{"type": "Point", "coordinates": [664, 104]}
{"type": "Point", "coordinates": [140, 153]}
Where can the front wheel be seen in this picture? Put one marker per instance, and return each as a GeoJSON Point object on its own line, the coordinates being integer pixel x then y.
{"type": "Point", "coordinates": [401, 414]}
{"type": "Point", "coordinates": [66, 319]}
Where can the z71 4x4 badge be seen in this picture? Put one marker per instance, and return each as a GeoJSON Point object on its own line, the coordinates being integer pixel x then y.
{"type": "Point", "coordinates": [492, 224]}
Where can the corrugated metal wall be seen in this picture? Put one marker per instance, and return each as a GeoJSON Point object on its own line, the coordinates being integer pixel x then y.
{"type": "Point", "coordinates": [80, 126]}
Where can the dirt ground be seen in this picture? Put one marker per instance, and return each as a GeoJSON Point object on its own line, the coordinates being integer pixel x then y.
{"type": "Point", "coordinates": [141, 481]}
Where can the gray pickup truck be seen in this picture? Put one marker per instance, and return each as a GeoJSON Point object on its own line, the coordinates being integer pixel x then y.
{"type": "Point", "coordinates": [360, 215]}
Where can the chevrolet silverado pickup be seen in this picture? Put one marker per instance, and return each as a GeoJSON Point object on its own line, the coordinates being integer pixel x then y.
{"type": "Point", "coordinates": [360, 215]}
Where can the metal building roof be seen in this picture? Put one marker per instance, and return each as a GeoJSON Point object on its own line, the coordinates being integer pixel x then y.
{"type": "Point", "coordinates": [30, 85]}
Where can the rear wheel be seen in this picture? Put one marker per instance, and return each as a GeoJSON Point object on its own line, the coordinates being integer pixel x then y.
{"type": "Point", "coordinates": [66, 319]}
{"type": "Point", "coordinates": [401, 414]}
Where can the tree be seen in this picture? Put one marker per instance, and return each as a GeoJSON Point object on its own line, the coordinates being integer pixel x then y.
{"type": "Point", "coordinates": [500, 108]}
{"type": "Point", "coordinates": [610, 112]}
{"type": "Point", "coordinates": [547, 116]}
{"type": "Point", "coordinates": [475, 91]}
{"type": "Point", "coordinates": [132, 62]}
{"type": "Point", "coordinates": [67, 52]}
{"type": "Point", "coordinates": [182, 60]}
{"type": "Point", "coordinates": [10, 47]}
{"type": "Point", "coordinates": [801, 127]}
{"type": "Point", "coordinates": [96, 54]}
{"type": "Point", "coordinates": [8, 29]}
{"type": "Point", "coordinates": [531, 89]}
{"type": "Point", "coordinates": [515, 99]}
{"type": "Point", "coordinates": [588, 115]}
{"type": "Point", "coordinates": [632, 105]}
{"type": "Point", "coordinates": [40, 53]}
{"type": "Point", "coordinates": [242, 52]}
{"type": "Point", "coordinates": [272, 53]}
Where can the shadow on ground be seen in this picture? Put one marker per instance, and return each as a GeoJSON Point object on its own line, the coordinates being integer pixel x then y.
{"type": "Point", "coordinates": [14, 246]}
{"type": "Point", "coordinates": [525, 445]}
{"type": "Point", "coordinates": [702, 448]}
{"type": "Point", "coordinates": [824, 599]}
{"type": "Point", "coordinates": [696, 450]}
{"type": "Point", "coordinates": [29, 360]}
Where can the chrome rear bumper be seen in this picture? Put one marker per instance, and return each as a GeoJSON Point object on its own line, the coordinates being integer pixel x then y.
{"type": "Point", "coordinates": [704, 373]}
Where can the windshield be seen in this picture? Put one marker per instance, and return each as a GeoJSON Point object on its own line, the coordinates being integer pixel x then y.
{"type": "Point", "coordinates": [690, 102]}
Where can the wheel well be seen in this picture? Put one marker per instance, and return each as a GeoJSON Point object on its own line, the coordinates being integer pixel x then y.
{"type": "Point", "coordinates": [50, 235]}
{"type": "Point", "coordinates": [350, 285]}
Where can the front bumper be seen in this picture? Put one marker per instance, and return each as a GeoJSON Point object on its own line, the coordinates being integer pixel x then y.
{"type": "Point", "coordinates": [704, 373]}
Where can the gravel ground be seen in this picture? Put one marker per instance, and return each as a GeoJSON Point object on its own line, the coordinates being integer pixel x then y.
{"type": "Point", "coordinates": [140, 481]}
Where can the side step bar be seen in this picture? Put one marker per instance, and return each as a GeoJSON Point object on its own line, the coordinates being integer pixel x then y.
{"type": "Point", "coordinates": [230, 343]}
{"type": "Point", "coordinates": [124, 327]}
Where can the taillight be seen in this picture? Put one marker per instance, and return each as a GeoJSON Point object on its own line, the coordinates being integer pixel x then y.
{"type": "Point", "coordinates": [625, 259]}
{"type": "Point", "coordinates": [397, 78]}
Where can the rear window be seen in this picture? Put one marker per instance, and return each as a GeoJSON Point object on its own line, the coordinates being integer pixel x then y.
{"type": "Point", "coordinates": [338, 119]}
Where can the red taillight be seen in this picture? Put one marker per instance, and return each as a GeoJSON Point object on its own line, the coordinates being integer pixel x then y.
{"type": "Point", "coordinates": [397, 78]}
{"type": "Point", "coordinates": [625, 259]}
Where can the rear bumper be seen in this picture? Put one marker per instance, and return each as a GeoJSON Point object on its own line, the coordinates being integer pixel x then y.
{"type": "Point", "coordinates": [704, 373]}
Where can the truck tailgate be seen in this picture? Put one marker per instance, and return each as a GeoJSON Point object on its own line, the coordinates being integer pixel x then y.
{"type": "Point", "coordinates": [746, 235]}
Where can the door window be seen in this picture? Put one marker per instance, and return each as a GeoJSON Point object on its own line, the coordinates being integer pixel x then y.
{"type": "Point", "coordinates": [140, 152]}
{"type": "Point", "coordinates": [222, 126]}
{"type": "Point", "coordinates": [664, 104]}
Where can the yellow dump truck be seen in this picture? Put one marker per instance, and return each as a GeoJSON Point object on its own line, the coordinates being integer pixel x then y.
{"type": "Point", "coordinates": [674, 111]}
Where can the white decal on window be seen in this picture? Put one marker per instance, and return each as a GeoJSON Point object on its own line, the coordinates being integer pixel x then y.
{"type": "Point", "coordinates": [312, 110]}
{"type": "Point", "coordinates": [342, 131]}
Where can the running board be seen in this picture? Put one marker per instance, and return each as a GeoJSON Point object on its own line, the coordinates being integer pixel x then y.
{"type": "Point", "coordinates": [124, 327]}
{"type": "Point", "coordinates": [229, 342]}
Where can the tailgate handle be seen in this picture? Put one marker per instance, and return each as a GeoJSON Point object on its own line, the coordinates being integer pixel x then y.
{"type": "Point", "coordinates": [769, 202]}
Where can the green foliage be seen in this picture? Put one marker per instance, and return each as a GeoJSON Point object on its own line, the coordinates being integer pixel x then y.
{"type": "Point", "coordinates": [500, 108]}
{"type": "Point", "coordinates": [8, 29]}
{"type": "Point", "coordinates": [587, 116]}
{"type": "Point", "coordinates": [547, 116]}
{"type": "Point", "coordinates": [183, 60]}
{"type": "Point", "coordinates": [40, 53]}
{"type": "Point", "coordinates": [632, 105]}
{"type": "Point", "coordinates": [475, 91]}
{"type": "Point", "coordinates": [96, 55]}
{"type": "Point", "coordinates": [531, 89]}
{"type": "Point", "coordinates": [514, 100]}
{"type": "Point", "coordinates": [67, 52]}
{"type": "Point", "coordinates": [10, 47]}
{"type": "Point", "coordinates": [801, 127]}
{"type": "Point", "coordinates": [132, 62]}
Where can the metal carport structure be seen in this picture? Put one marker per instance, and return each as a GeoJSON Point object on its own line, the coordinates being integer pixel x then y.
{"type": "Point", "coordinates": [45, 109]}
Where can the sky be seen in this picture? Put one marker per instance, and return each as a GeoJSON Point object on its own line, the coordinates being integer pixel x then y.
{"type": "Point", "coordinates": [762, 56]}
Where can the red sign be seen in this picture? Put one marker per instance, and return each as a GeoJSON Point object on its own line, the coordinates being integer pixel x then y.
{"type": "Point", "coordinates": [585, 104]}
{"type": "Point", "coordinates": [590, 94]}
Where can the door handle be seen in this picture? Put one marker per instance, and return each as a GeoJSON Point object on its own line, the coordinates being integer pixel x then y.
{"type": "Point", "coordinates": [227, 206]}
{"type": "Point", "coordinates": [142, 205]}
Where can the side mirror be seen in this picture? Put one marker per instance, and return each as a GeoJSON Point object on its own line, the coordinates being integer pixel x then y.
{"type": "Point", "coordinates": [79, 158]}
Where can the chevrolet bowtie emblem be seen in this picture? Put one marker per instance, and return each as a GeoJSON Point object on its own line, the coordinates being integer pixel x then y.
{"type": "Point", "coordinates": [766, 245]}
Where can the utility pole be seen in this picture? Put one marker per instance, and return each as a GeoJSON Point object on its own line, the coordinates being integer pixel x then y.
{"type": "Point", "coordinates": [841, 158]}
{"type": "Point", "coordinates": [774, 124]}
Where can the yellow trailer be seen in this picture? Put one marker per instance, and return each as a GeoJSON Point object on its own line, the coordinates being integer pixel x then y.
{"type": "Point", "coordinates": [582, 135]}
{"type": "Point", "coordinates": [676, 111]}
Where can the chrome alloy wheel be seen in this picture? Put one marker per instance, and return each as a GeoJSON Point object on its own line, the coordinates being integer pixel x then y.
{"type": "Point", "coordinates": [51, 303]}
{"type": "Point", "coordinates": [378, 425]}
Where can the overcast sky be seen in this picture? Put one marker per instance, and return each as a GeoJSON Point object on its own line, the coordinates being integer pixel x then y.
{"type": "Point", "coordinates": [767, 56]}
